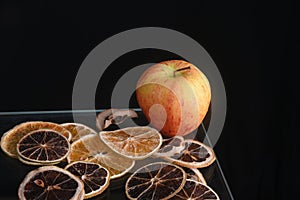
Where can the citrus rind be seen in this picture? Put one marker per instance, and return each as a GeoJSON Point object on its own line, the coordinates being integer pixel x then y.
{"type": "Point", "coordinates": [195, 175]}
{"type": "Point", "coordinates": [28, 162]}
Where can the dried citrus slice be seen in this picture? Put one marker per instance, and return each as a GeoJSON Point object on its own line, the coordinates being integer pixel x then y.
{"type": "Point", "coordinates": [170, 146]}
{"type": "Point", "coordinates": [51, 182]}
{"type": "Point", "coordinates": [194, 155]}
{"type": "Point", "coordinates": [113, 116]}
{"type": "Point", "coordinates": [78, 130]}
{"type": "Point", "coordinates": [43, 146]}
{"type": "Point", "coordinates": [11, 138]}
{"type": "Point", "coordinates": [158, 180]}
{"type": "Point", "coordinates": [94, 176]}
{"type": "Point", "coordinates": [194, 190]}
{"type": "Point", "coordinates": [194, 174]}
{"type": "Point", "coordinates": [90, 148]}
{"type": "Point", "coordinates": [133, 142]}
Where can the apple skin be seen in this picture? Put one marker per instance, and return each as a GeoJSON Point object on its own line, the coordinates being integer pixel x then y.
{"type": "Point", "coordinates": [174, 103]}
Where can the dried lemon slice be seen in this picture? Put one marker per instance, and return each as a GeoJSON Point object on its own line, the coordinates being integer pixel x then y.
{"type": "Point", "coordinates": [133, 142]}
{"type": "Point", "coordinates": [94, 176]}
{"type": "Point", "coordinates": [194, 155]}
{"type": "Point", "coordinates": [43, 146]}
{"type": "Point", "coordinates": [158, 180]}
{"type": "Point", "coordinates": [11, 138]}
{"type": "Point", "coordinates": [51, 182]}
{"type": "Point", "coordinates": [90, 148]}
{"type": "Point", "coordinates": [78, 130]}
{"type": "Point", "coordinates": [194, 190]}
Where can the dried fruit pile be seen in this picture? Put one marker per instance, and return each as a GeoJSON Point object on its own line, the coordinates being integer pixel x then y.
{"type": "Point", "coordinates": [162, 180]}
{"type": "Point", "coordinates": [93, 159]}
{"type": "Point", "coordinates": [48, 143]}
{"type": "Point", "coordinates": [179, 178]}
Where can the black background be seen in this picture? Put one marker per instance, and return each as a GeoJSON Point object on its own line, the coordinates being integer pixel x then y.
{"type": "Point", "coordinates": [43, 44]}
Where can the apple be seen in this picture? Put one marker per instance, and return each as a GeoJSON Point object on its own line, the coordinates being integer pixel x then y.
{"type": "Point", "coordinates": [174, 95]}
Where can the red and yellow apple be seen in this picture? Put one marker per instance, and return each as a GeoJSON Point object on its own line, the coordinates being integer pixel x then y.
{"type": "Point", "coordinates": [174, 95]}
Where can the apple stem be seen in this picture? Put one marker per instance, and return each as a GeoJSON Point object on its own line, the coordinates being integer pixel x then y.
{"type": "Point", "coordinates": [181, 69]}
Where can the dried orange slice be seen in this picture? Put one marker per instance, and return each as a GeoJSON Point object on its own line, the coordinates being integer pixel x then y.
{"type": "Point", "coordinates": [51, 182]}
{"type": "Point", "coordinates": [158, 180]}
{"type": "Point", "coordinates": [78, 130]}
{"type": "Point", "coordinates": [133, 142]}
{"type": "Point", "coordinates": [194, 174]}
{"type": "Point", "coordinates": [43, 146]}
{"type": "Point", "coordinates": [170, 146]}
{"type": "Point", "coordinates": [11, 138]}
{"type": "Point", "coordinates": [90, 148]}
{"type": "Point", "coordinates": [194, 155]}
{"type": "Point", "coordinates": [194, 190]}
{"type": "Point", "coordinates": [94, 176]}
